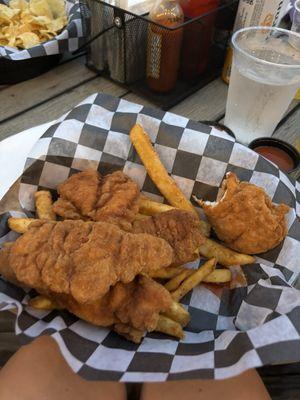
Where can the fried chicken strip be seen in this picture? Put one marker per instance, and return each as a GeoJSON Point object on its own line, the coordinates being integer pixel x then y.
{"type": "Point", "coordinates": [82, 259]}
{"type": "Point", "coordinates": [130, 308]}
{"type": "Point", "coordinates": [87, 195]}
{"type": "Point", "coordinates": [179, 228]}
{"type": "Point", "coordinates": [5, 268]}
{"type": "Point", "coordinates": [245, 218]}
{"type": "Point", "coordinates": [136, 304]}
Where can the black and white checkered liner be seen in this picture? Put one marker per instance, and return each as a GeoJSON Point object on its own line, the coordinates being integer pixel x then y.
{"type": "Point", "coordinates": [231, 330]}
{"type": "Point", "coordinates": [69, 40]}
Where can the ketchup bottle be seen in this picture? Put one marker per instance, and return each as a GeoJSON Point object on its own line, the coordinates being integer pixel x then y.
{"type": "Point", "coordinates": [164, 45]}
{"type": "Point", "coordinates": [197, 37]}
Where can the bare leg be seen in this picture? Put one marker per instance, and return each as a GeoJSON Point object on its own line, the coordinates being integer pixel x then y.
{"type": "Point", "coordinates": [247, 386]}
{"type": "Point", "coordinates": [38, 371]}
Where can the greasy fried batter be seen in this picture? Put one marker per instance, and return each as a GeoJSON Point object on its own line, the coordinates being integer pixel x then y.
{"type": "Point", "coordinates": [179, 228]}
{"type": "Point", "coordinates": [83, 259]}
{"type": "Point", "coordinates": [5, 269]}
{"type": "Point", "coordinates": [136, 304]}
{"type": "Point", "coordinates": [87, 195]}
{"type": "Point", "coordinates": [132, 308]}
{"type": "Point", "coordinates": [245, 218]}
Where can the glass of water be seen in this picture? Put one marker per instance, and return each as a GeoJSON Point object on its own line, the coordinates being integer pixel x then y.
{"type": "Point", "coordinates": [296, 17]}
{"type": "Point", "coordinates": [264, 78]}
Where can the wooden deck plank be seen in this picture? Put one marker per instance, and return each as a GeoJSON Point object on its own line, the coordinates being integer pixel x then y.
{"type": "Point", "coordinates": [17, 98]}
{"type": "Point", "coordinates": [290, 129]}
{"type": "Point", "coordinates": [207, 104]}
{"type": "Point", "coordinates": [56, 107]}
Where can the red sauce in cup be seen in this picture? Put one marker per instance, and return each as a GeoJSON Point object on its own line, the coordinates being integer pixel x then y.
{"type": "Point", "coordinates": [277, 156]}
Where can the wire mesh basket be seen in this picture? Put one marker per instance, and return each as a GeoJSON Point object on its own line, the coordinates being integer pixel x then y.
{"type": "Point", "coordinates": [119, 43]}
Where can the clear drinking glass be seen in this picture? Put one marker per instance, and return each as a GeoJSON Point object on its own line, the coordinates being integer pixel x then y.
{"type": "Point", "coordinates": [296, 28]}
{"type": "Point", "coordinates": [296, 17]}
{"type": "Point", "coordinates": [264, 78]}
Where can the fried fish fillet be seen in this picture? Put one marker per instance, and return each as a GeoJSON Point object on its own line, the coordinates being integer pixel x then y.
{"type": "Point", "coordinates": [245, 218]}
{"type": "Point", "coordinates": [83, 259]}
{"type": "Point", "coordinates": [112, 198]}
{"type": "Point", "coordinates": [179, 228]}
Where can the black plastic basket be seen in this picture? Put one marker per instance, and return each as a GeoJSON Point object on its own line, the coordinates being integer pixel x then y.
{"type": "Point", "coordinates": [117, 42]}
{"type": "Point", "coordinates": [12, 72]}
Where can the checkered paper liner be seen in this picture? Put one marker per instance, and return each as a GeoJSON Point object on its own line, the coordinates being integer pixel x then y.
{"type": "Point", "coordinates": [231, 330]}
{"type": "Point", "coordinates": [69, 40]}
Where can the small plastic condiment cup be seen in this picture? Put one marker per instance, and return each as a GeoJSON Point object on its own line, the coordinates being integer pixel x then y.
{"type": "Point", "coordinates": [290, 150]}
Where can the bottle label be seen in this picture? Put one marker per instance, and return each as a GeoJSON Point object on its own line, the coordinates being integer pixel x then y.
{"type": "Point", "coordinates": [154, 54]}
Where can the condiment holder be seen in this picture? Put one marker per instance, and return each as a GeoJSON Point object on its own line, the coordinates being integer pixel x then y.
{"type": "Point", "coordinates": [127, 48]}
{"type": "Point", "coordinates": [281, 153]}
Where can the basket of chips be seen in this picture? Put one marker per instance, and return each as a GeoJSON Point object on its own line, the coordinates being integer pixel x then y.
{"type": "Point", "coordinates": [34, 35]}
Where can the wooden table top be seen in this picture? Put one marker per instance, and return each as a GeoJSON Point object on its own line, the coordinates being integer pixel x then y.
{"type": "Point", "coordinates": [50, 95]}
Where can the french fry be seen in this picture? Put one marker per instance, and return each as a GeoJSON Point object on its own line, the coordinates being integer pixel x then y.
{"type": "Point", "coordinates": [6, 244]}
{"type": "Point", "coordinates": [149, 207]}
{"type": "Point", "coordinates": [43, 303]}
{"type": "Point", "coordinates": [204, 228]}
{"type": "Point", "coordinates": [43, 203]}
{"type": "Point", "coordinates": [128, 332]}
{"type": "Point", "coordinates": [224, 256]}
{"type": "Point", "coordinates": [166, 273]}
{"type": "Point", "coordinates": [140, 216]}
{"type": "Point", "coordinates": [218, 276]}
{"type": "Point", "coordinates": [169, 327]}
{"type": "Point", "coordinates": [178, 313]}
{"type": "Point", "coordinates": [157, 171]}
{"type": "Point", "coordinates": [194, 279]}
{"type": "Point", "coordinates": [20, 225]}
{"type": "Point", "coordinates": [173, 283]}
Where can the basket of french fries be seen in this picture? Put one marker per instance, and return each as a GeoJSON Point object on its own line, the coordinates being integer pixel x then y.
{"type": "Point", "coordinates": [151, 247]}
{"type": "Point", "coordinates": [34, 34]}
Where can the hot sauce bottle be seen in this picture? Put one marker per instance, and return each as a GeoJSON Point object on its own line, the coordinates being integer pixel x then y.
{"type": "Point", "coordinates": [164, 45]}
{"type": "Point", "coordinates": [197, 38]}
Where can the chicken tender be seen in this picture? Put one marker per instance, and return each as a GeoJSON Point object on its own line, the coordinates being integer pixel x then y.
{"type": "Point", "coordinates": [83, 259]}
{"type": "Point", "coordinates": [5, 269]}
{"type": "Point", "coordinates": [112, 198]}
{"type": "Point", "coordinates": [245, 218]}
{"type": "Point", "coordinates": [179, 228]}
{"type": "Point", "coordinates": [136, 304]}
{"type": "Point", "coordinates": [131, 308]}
